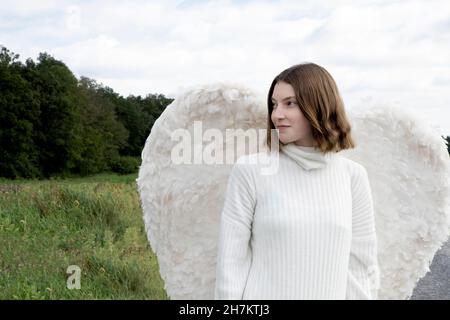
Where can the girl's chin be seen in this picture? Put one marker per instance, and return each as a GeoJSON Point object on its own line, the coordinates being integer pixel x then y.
{"type": "Point", "coordinates": [285, 141]}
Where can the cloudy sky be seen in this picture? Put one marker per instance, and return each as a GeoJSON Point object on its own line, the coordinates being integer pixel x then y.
{"type": "Point", "coordinates": [395, 52]}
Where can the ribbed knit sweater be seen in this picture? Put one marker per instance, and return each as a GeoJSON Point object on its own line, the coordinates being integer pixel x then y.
{"type": "Point", "coordinates": [301, 233]}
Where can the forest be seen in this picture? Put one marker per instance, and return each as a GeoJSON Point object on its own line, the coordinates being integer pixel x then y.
{"type": "Point", "coordinates": [55, 125]}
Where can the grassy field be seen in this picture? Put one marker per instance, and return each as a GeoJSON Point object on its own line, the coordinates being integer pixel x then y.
{"type": "Point", "coordinates": [94, 223]}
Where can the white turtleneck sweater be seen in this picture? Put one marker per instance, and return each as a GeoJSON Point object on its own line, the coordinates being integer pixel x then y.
{"type": "Point", "coordinates": [304, 232]}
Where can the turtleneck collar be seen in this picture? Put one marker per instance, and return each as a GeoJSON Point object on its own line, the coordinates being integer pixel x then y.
{"type": "Point", "coordinates": [306, 157]}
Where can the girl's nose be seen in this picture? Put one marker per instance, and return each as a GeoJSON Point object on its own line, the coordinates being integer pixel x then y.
{"type": "Point", "coordinates": [278, 113]}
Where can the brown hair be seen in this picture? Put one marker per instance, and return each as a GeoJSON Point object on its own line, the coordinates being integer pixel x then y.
{"type": "Point", "coordinates": [319, 100]}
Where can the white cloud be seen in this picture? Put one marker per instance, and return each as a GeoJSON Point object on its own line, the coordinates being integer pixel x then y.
{"type": "Point", "coordinates": [394, 51]}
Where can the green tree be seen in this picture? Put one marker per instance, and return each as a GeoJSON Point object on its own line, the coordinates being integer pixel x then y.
{"type": "Point", "coordinates": [138, 116]}
{"type": "Point", "coordinates": [58, 129]}
{"type": "Point", "coordinates": [103, 135]}
{"type": "Point", "coordinates": [19, 114]}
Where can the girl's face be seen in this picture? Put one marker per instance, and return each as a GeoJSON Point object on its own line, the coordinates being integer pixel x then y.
{"type": "Point", "coordinates": [288, 118]}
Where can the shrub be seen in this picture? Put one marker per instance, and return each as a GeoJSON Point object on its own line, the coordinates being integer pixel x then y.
{"type": "Point", "coordinates": [125, 164]}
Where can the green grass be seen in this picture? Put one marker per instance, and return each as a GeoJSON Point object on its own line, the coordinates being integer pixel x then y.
{"type": "Point", "coordinates": [94, 223]}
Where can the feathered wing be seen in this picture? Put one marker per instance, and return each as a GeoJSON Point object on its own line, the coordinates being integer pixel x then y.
{"type": "Point", "coordinates": [407, 165]}
{"type": "Point", "coordinates": [409, 169]}
{"type": "Point", "coordinates": [182, 202]}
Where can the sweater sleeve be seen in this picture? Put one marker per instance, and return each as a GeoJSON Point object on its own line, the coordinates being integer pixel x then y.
{"type": "Point", "coordinates": [234, 250]}
{"type": "Point", "coordinates": [363, 274]}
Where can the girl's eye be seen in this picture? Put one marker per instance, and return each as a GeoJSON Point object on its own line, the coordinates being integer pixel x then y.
{"type": "Point", "coordinates": [289, 103]}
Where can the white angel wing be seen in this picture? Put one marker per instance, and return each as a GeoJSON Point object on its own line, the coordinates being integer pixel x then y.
{"type": "Point", "coordinates": [408, 168]}
{"type": "Point", "coordinates": [182, 202]}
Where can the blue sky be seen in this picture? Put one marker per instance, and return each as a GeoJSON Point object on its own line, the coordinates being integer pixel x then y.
{"type": "Point", "coordinates": [392, 52]}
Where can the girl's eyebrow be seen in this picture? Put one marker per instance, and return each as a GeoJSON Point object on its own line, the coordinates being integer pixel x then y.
{"type": "Point", "coordinates": [284, 98]}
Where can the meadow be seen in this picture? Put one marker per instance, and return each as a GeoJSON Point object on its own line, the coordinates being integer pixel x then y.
{"type": "Point", "coordinates": [94, 223]}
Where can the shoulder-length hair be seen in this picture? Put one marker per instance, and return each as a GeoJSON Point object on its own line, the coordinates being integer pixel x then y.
{"type": "Point", "coordinates": [319, 100]}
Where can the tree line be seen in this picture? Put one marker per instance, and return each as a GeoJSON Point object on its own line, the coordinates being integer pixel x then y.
{"type": "Point", "coordinates": [52, 124]}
